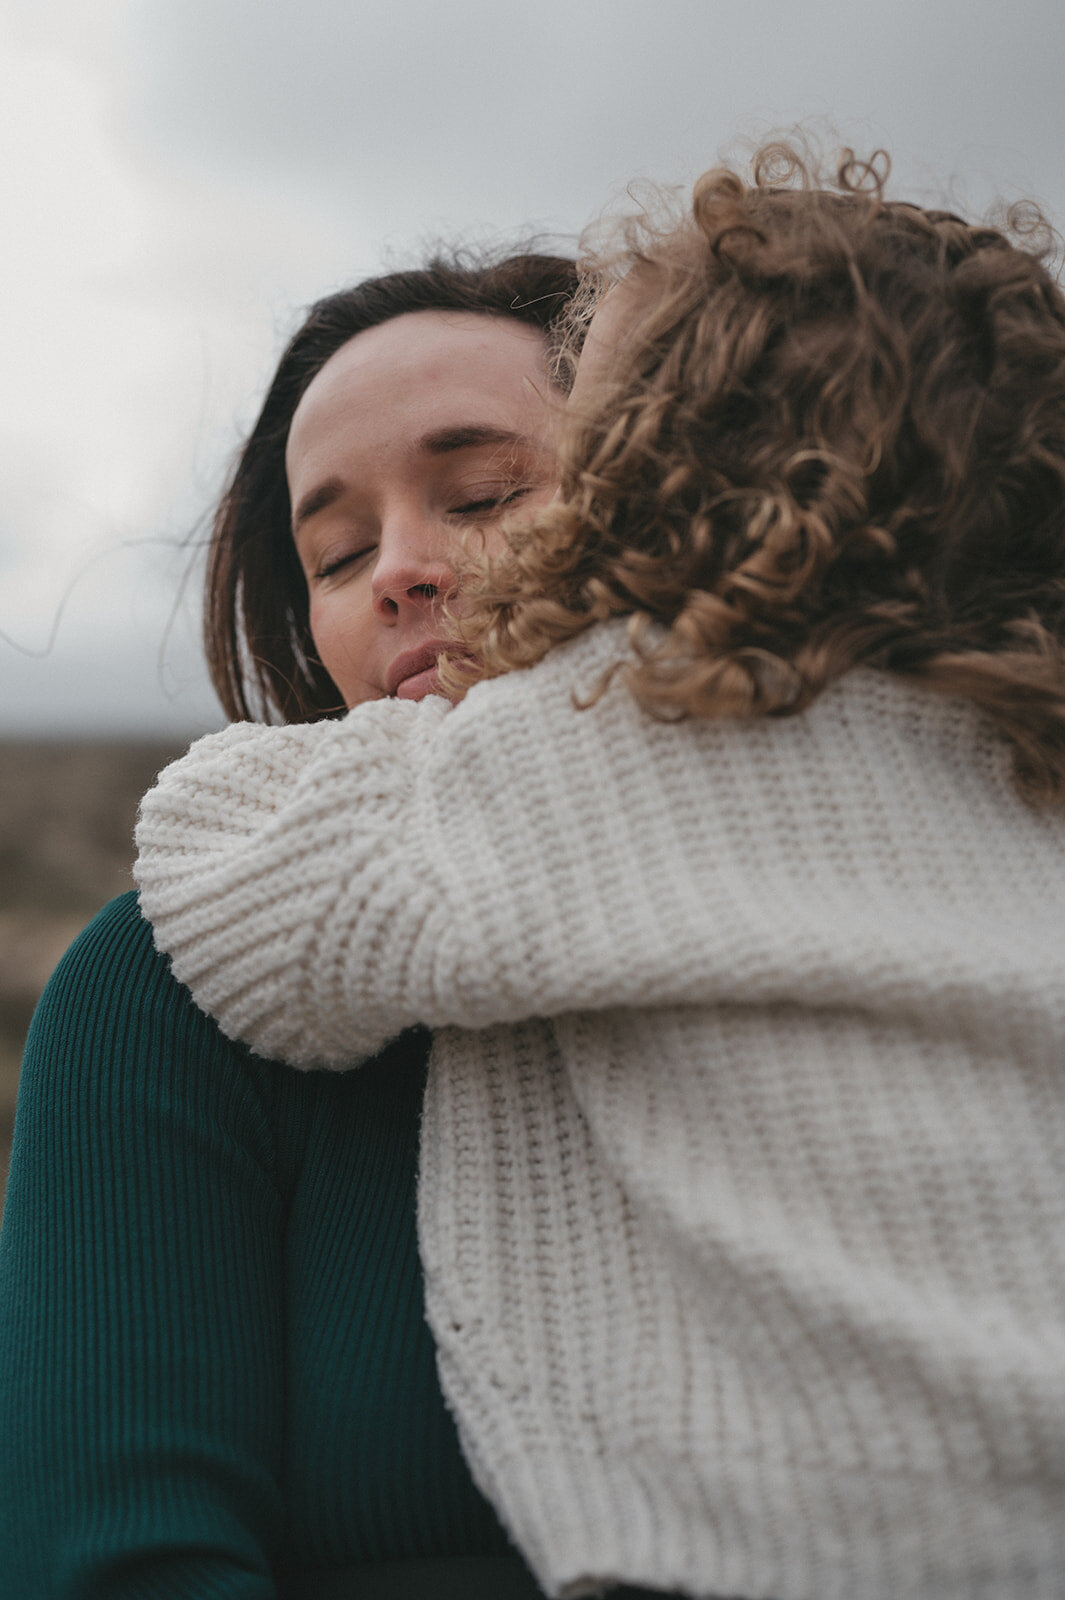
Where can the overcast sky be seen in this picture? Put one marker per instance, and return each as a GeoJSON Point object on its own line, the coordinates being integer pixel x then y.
{"type": "Point", "coordinates": [180, 177]}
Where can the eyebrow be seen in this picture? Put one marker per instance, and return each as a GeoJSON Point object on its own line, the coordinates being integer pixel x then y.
{"type": "Point", "coordinates": [441, 442]}
{"type": "Point", "coordinates": [317, 499]}
{"type": "Point", "coordinates": [445, 440]}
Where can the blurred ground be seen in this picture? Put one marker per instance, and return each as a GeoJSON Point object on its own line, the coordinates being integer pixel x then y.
{"type": "Point", "coordinates": [66, 825]}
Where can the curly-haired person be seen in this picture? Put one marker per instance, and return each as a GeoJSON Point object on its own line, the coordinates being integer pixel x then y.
{"type": "Point", "coordinates": [739, 914]}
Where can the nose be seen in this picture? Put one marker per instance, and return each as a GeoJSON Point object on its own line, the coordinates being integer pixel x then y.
{"type": "Point", "coordinates": [412, 568]}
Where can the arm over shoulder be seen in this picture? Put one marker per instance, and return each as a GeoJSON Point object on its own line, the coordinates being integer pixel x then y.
{"type": "Point", "coordinates": [140, 1293]}
{"type": "Point", "coordinates": [320, 888]}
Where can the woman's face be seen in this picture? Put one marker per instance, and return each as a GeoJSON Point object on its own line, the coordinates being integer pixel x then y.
{"type": "Point", "coordinates": [411, 432]}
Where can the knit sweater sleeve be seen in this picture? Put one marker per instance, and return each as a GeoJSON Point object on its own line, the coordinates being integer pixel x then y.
{"type": "Point", "coordinates": [320, 888]}
{"type": "Point", "coordinates": [141, 1388]}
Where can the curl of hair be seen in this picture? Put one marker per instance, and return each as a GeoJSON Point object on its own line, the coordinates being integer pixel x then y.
{"type": "Point", "coordinates": [831, 434]}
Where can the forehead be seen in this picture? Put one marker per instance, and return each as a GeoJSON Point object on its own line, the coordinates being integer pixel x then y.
{"type": "Point", "coordinates": [417, 363]}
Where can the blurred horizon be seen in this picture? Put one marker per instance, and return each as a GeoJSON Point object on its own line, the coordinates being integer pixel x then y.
{"type": "Point", "coordinates": [181, 180]}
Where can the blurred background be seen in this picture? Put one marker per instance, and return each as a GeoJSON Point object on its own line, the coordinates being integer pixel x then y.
{"type": "Point", "coordinates": [179, 178]}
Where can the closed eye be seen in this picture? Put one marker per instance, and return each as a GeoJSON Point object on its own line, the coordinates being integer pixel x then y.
{"type": "Point", "coordinates": [349, 558]}
{"type": "Point", "coordinates": [490, 503]}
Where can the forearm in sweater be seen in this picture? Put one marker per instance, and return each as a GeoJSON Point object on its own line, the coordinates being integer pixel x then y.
{"type": "Point", "coordinates": [320, 888]}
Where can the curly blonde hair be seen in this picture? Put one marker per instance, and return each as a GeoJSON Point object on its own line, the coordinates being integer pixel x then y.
{"type": "Point", "coordinates": [832, 434]}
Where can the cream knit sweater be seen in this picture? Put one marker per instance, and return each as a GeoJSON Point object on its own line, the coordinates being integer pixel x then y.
{"type": "Point", "coordinates": [747, 1264]}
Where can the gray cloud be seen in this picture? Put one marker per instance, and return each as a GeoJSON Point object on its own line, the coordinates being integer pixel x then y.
{"type": "Point", "coordinates": [506, 114]}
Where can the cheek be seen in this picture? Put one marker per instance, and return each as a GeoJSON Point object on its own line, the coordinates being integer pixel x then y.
{"type": "Point", "coordinates": [340, 628]}
{"type": "Point", "coordinates": [322, 619]}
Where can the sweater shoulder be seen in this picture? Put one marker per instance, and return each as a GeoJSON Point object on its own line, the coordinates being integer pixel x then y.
{"type": "Point", "coordinates": [115, 1028]}
{"type": "Point", "coordinates": [113, 981]}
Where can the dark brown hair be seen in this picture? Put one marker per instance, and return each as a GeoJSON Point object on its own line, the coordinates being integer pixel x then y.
{"type": "Point", "coordinates": [832, 433]}
{"type": "Point", "coordinates": [259, 648]}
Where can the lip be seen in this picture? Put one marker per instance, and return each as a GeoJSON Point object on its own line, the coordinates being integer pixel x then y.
{"type": "Point", "coordinates": [412, 664]}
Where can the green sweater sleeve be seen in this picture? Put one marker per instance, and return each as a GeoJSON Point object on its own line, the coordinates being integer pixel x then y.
{"type": "Point", "coordinates": [141, 1387]}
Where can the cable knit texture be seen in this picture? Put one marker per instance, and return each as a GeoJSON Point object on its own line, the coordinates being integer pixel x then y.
{"type": "Point", "coordinates": [742, 1195]}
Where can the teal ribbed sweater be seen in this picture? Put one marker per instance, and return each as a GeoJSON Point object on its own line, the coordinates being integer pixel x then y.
{"type": "Point", "coordinates": [213, 1355]}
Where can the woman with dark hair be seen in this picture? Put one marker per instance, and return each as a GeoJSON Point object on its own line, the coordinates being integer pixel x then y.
{"type": "Point", "coordinates": [215, 1373]}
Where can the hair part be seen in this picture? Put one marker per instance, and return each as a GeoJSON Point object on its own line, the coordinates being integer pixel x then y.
{"type": "Point", "coordinates": [832, 434]}
{"type": "Point", "coordinates": [257, 637]}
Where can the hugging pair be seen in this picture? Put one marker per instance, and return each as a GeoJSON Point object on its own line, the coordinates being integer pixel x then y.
{"type": "Point", "coordinates": [722, 852]}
